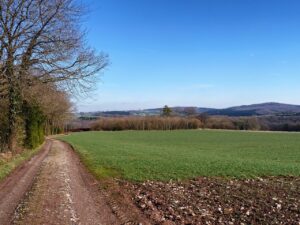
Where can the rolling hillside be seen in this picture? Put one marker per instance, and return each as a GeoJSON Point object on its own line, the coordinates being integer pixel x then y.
{"type": "Point", "coordinates": [263, 109]}
{"type": "Point", "coordinates": [271, 108]}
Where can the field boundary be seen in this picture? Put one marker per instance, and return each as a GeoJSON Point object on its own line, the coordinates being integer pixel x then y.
{"type": "Point", "coordinates": [119, 201]}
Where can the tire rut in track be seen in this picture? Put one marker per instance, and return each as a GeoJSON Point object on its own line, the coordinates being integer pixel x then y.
{"type": "Point", "coordinates": [14, 187]}
{"type": "Point", "coordinates": [61, 196]}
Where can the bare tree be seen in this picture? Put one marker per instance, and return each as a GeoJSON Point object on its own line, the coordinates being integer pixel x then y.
{"type": "Point", "coordinates": [55, 105]}
{"type": "Point", "coordinates": [41, 41]}
{"type": "Point", "coordinates": [203, 117]}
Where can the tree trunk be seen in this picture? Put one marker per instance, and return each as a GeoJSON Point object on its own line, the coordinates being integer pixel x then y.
{"type": "Point", "coordinates": [12, 120]}
{"type": "Point", "coordinates": [13, 98]}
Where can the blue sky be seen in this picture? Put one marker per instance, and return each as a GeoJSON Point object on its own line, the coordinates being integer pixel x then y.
{"type": "Point", "coordinates": [206, 53]}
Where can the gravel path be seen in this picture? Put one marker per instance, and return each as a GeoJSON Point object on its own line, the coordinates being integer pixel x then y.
{"type": "Point", "coordinates": [59, 191]}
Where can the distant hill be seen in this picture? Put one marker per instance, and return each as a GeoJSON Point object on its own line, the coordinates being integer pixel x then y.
{"type": "Point", "coordinates": [270, 108]}
{"type": "Point", "coordinates": [263, 109]}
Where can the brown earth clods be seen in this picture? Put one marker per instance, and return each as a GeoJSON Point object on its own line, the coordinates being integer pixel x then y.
{"type": "Point", "coordinates": [272, 200]}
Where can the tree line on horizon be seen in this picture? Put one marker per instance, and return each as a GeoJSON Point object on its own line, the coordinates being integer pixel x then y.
{"type": "Point", "coordinates": [171, 119]}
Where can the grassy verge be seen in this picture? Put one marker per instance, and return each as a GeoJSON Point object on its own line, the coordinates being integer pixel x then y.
{"type": "Point", "coordinates": [6, 167]}
{"type": "Point", "coordinates": [164, 155]}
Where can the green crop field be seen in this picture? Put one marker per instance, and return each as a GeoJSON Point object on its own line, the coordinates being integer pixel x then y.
{"type": "Point", "coordinates": [164, 155]}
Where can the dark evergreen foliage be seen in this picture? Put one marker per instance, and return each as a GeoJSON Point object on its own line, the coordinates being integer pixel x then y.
{"type": "Point", "coordinates": [34, 125]}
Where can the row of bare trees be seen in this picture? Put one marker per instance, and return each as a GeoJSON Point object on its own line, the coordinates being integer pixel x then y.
{"type": "Point", "coordinates": [146, 123]}
{"type": "Point", "coordinates": [178, 122]}
{"type": "Point", "coordinates": [43, 59]}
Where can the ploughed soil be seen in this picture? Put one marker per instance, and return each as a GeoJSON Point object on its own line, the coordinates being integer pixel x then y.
{"type": "Point", "coordinates": [272, 200]}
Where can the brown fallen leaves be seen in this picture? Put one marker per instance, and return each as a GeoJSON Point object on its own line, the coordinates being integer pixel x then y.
{"type": "Point", "coordinates": [272, 200]}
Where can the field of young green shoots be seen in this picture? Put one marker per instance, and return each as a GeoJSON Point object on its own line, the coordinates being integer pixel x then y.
{"type": "Point", "coordinates": [164, 155]}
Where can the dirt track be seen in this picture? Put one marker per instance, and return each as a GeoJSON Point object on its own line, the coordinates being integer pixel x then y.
{"type": "Point", "coordinates": [53, 188]}
{"type": "Point", "coordinates": [14, 187]}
